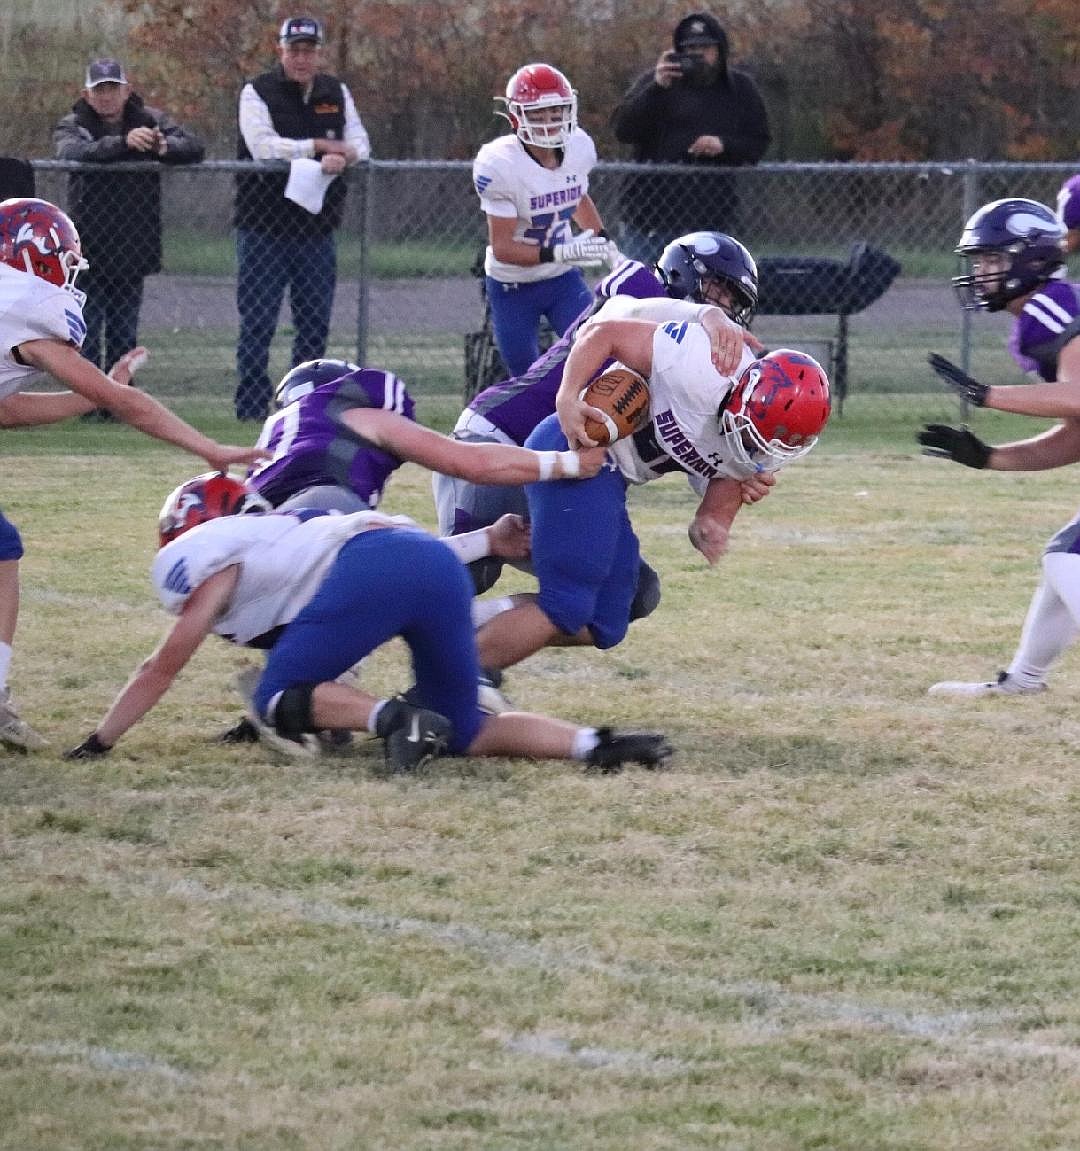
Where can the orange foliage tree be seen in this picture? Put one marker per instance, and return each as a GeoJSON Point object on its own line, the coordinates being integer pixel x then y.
{"type": "Point", "coordinates": [844, 79]}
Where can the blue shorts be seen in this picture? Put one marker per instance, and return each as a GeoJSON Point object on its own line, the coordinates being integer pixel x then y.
{"type": "Point", "coordinates": [386, 583]}
{"type": "Point", "coordinates": [11, 546]}
{"type": "Point", "coordinates": [584, 550]}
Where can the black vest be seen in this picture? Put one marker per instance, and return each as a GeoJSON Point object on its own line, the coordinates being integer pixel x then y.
{"type": "Point", "coordinates": [260, 199]}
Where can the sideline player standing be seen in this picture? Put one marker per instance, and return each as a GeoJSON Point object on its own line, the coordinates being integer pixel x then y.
{"type": "Point", "coordinates": [531, 185]}
{"type": "Point", "coordinates": [42, 329]}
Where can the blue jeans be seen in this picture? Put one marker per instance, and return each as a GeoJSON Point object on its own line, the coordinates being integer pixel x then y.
{"type": "Point", "coordinates": [111, 314]}
{"type": "Point", "coordinates": [266, 265]}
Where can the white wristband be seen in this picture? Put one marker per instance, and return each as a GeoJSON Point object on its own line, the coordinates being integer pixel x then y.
{"type": "Point", "coordinates": [546, 462]}
{"type": "Point", "coordinates": [570, 464]}
{"type": "Point", "coordinates": [703, 311]}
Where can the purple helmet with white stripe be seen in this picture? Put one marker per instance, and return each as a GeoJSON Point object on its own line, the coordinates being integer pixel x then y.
{"type": "Point", "coordinates": [1008, 248]}
{"type": "Point", "coordinates": [308, 376]}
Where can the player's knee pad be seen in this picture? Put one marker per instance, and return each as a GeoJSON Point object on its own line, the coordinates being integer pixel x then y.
{"type": "Point", "coordinates": [647, 593]}
{"type": "Point", "coordinates": [292, 713]}
{"type": "Point", "coordinates": [11, 546]}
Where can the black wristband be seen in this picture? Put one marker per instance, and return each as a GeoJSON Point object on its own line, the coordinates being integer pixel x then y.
{"type": "Point", "coordinates": [603, 234]}
{"type": "Point", "coordinates": [547, 255]}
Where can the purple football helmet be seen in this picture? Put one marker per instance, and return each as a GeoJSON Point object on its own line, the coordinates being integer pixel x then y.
{"type": "Point", "coordinates": [700, 256]}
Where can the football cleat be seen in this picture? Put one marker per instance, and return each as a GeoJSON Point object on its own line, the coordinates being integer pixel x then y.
{"type": "Point", "coordinates": [1003, 685]}
{"type": "Point", "coordinates": [411, 735]}
{"type": "Point", "coordinates": [243, 731]}
{"type": "Point", "coordinates": [304, 746]}
{"type": "Point", "coordinates": [489, 697]}
{"type": "Point", "coordinates": [14, 730]}
{"type": "Point", "coordinates": [649, 748]}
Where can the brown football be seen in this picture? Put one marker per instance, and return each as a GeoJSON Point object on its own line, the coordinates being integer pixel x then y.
{"type": "Point", "coordinates": [623, 396]}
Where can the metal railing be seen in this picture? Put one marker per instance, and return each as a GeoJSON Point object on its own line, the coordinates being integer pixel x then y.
{"type": "Point", "coordinates": [406, 299]}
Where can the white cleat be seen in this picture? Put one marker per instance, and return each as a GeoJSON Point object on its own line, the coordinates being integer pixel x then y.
{"type": "Point", "coordinates": [1003, 685]}
{"type": "Point", "coordinates": [14, 730]}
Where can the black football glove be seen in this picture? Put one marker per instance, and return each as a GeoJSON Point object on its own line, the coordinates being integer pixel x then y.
{"type": "Point", "coordinates": [959, 444]}
{"type": "Point", "coordinates": [90, 748]}
{"type": "Point", "coordinates": [965, 386]}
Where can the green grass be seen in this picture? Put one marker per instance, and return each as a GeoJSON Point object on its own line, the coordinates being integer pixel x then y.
{"type": "Point", "coordinates": [844, 919]}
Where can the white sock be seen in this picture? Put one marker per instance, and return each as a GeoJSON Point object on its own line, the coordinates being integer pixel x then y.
{"type": "Point", "coordinates": [585, 740]}
{"type": "Point", "coordinates": [373, 718]}
{"type": "Point", "coordinates": [1052, 619]}
{"type": "Point", "coordinates": [484, 610]}
{"type": "Point", "coordinates": [5, 663]}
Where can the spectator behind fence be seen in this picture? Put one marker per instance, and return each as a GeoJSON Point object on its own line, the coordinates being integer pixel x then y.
{"type": "Point", "coordinates": [531, 185]}
{"type": "Point", "coordinates": [293, 112]}
{"type": "Point", "coordinates": [118, 214]}
{"type": "Point", "coordinates": [690, 108]}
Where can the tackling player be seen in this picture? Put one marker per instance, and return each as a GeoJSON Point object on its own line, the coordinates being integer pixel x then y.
{"type": "Point", "coordinates": [41, 331]}
{"type": "Point", "coordinates": [322, 591]}
{"type": "Point", "coordinates": [1016, 263]}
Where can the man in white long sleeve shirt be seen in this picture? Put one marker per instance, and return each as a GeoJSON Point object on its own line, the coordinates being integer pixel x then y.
{"type": "Point", "coordinates": [293, 112]}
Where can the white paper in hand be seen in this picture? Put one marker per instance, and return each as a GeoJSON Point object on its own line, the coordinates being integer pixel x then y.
{"type": "Point", "coordinates": [307, 185]}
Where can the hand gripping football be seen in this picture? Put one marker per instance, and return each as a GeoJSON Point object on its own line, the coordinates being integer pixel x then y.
{"type": "Point", "coordinates": [623, 396]}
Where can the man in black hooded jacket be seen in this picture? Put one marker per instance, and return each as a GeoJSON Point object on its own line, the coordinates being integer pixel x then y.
{"type": "Point", "coordinates": [118, 214]}
{"type": "Point", "coordinates": [691, 108]}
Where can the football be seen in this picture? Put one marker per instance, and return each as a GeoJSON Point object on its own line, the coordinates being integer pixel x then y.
{"type": "Point", "coordinates": [623, 396]}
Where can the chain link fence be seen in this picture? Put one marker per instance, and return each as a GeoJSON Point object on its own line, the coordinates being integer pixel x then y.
{"type": "Point", "coordinates": [855, 259]}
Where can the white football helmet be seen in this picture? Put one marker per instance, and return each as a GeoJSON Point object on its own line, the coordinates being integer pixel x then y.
{"type": "Point", "coordinates": [540, 105]}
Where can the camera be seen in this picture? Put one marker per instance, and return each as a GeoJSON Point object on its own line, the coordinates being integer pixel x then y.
{"type": "Point", "coordinates": [686, 61]}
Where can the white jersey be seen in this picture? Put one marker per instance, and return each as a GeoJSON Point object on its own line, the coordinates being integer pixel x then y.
{"type": "Point", "coordinates": [283, 558]}
{"type": "Point", "coordinates": [33, 309]}
{"type": "Point", "coordinates": [511, 184]}
{"type": "Point", "coordinates": [685, 396]}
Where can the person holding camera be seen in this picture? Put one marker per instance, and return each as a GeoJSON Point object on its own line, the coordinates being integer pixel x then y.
{"type": "Point", "coordinates": [118, 214]}
{"type": "Point", "coordinates": [691, 108]}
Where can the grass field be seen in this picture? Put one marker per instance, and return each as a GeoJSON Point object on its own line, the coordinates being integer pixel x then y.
{"type": "Point", "coordinates": [845, 918]}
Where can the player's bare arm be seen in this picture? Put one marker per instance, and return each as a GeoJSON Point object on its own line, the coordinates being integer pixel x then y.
{"type": "Point", "coordinates": [478, 463]}
{"type": "Point", "coordinates": [130, 405]}
{"type": "Point", "coordinates": [156, 673]}
{"type": "Point", "coordinates": [1057, 400]}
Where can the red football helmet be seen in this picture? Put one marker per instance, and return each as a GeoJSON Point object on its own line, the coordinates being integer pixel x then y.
{"type": "Point", "coordinates": [36, 237]}
{"type": "Point", "coordinates": [206, 497]}
{"type": "Point", "coordinates": [532, 94]}
{"type": "Point", "coordinates": [776, 410]}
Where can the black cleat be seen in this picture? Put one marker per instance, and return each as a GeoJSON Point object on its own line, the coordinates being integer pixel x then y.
{"type": "Point", "coordinates": [411, 735]}
{"type": "Point", "coordinates": [240, 732]}
{"type": "Point", "coordinates": [649, 748]}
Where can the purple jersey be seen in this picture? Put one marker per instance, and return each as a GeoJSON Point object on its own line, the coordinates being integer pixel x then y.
{"type": "Point", "coordinates": [517, 405]}
{"type": "Point", "coordinates": [312, 445]}
{"type": "Point", "coordinates": [1048, 321]}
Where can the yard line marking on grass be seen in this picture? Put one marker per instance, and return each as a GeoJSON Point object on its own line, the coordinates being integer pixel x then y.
{"type": "Point", "coordinates": [547, 1046]}
{"type": "Point", "coordinates": [105, 1059]}
{"type": "Point", "coordinates": [768, 1002]}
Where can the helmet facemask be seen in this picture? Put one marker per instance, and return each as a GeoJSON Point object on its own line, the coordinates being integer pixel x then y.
{"type": "Point", "coordinates": [775, 412]}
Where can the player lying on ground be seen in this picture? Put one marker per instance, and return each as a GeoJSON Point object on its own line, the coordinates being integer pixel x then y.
{"type": "Point", "coordinates": [322, 591]}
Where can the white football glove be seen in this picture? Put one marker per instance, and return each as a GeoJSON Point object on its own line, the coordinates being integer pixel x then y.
{"type": "Point", "coordinates": [613, 257]}
{"type": "Point", "coordinates": [586, 250]}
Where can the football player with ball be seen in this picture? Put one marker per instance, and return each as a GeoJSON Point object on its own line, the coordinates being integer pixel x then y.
{"type": "Point", "coordinates": [721, 431]}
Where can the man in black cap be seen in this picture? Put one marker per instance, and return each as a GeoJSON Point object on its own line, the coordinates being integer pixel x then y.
{"type": "Point", "coordinates": [691, 108]}
{"type": "Point", "coordinates": [293, 112]}
{"type": "Point", "coordinates": [118, 214]}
